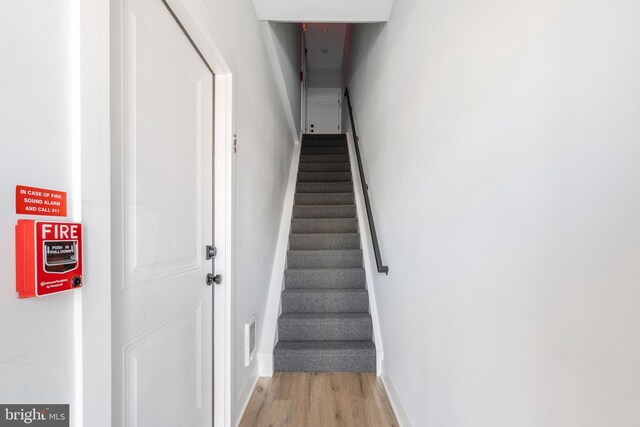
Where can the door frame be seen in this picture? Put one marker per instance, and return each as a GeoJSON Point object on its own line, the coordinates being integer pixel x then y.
{"type": "Point", "coordinates": [190, 16]}
{"type": "Point", "coordinates": [304, 83]}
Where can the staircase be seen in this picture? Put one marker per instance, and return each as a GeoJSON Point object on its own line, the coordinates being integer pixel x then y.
{"type": "Point", "coordinates": [325, 323]}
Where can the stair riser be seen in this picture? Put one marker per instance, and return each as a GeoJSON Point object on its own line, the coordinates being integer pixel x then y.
{"type": "Point", "coordinates": [325, 361]}
{"type": "Point", "coordinates": [324, 176]}
{"type": "Point", "coordinates": [323, 137]}
{"type": "Point", "coordinates": [326, 211]}
{"type": "Point", "coordinates": [324, 143]}
{"type": "Point", "coordinates": [340, 259]}
{"type": "Point", "coordinates": [324, 199]}
{"type": "Point", "coordinates": [324, 187]}
{"type": "Point", "coordinates": [324, 158]}
{"type": "Point", "coordinates": [357, 329]}
{"type": "Point", "coordinates": [324, 225]}
{"type": "Point", "coordinates": [325, 302]}
{"type": "Point", "coordinates": [324, 241]}
{"type": "Point", "coordinates": [324, 279]}
{"type": "Point", "coordinates": [321, 151]}
{"type": "Point", "coordinates": [324, 167]}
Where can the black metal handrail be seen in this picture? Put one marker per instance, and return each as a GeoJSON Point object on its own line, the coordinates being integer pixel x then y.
{"type": "Point", "coordinates": [365, 188]}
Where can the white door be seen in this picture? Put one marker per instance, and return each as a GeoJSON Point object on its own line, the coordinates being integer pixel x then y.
{"type": "Point", "coordinates": [324, 110]}
{"type": "Point", "coordinates": [162, 221]}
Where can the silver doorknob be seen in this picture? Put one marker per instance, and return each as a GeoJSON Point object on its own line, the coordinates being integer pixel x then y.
{"type": "Point", "coordinates": [211, 279]}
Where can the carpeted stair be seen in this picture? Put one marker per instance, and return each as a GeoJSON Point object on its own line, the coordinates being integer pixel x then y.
{"type": "Point", "coordinates": [325, 323]}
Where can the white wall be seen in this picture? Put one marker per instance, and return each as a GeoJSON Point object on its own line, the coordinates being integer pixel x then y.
{"type": "Point", "coordinates": [265, 147]}
{"type": "Point", "coordinates": [324, 78]}
{"type": "Point", "coordinates": [288, 45]}
{"type": "Point", "coordinates": [36, 355]}
{"type": "Point", "coordinates": [501, 144]}
{"type": "Point", "coordinates": [54, 121]}
{"type": "Point", "coordinates": [323, 11]}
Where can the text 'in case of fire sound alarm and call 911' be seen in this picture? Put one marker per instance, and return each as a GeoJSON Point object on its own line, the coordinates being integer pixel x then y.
{"type": "Point", "coordinates": [40, 201]}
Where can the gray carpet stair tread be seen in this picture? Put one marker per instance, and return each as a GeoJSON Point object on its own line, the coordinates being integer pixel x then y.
{"type": "Point", "coordinates": [325, 345]}
{"type": "Point", "coordinates": [325, 143]}
{"type": "Point", "coordinates": [317, 241]}
{"type": "Point", "coordinates": [325, 356]}
{"type": "Point", "coordinates": [324, 158]}
{"type": "Point", "coordinates": [325, 327]}
{"type": "Point", "coordinates": [339, 258]}
{"type": "Point", "coordinates": [323, 136]}
{"type": "Point", "coordinates": [325, 150]}
{"type": "Point", "coordinates": [324, 176]}
{"type": "Point", "coordinates": [324, 211]}
{"type": "Point", "coordinates": [324, 278]}
{"type": "Point", "coordinates": [324, 167]}
{"type": "Point", "coordinates": [324, 187]}
{"type": "Point", "coordinates": [325, 317]}
{"type": "Point", "coordinates": [325, 301]}
{"type": "Point", "coordinates": [324, 225]}
{"type": "Point", "coordinates": [325, 198]}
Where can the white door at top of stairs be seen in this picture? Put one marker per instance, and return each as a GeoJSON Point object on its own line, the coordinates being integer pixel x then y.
{"type": "Point", "coordinates": [324, 110]}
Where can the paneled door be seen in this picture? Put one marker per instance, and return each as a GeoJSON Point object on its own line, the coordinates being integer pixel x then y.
{"type": "Point", "coordinates": [162, 221]}
{"type": "Point", "coordinates": [324, 110]}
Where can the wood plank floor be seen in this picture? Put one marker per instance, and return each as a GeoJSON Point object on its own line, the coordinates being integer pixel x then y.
{"type": "Point", "coordinates": [292, 399]}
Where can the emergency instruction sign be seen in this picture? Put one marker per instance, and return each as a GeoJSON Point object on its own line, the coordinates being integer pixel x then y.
{"type": "Point", "coordinates": [40, 201]}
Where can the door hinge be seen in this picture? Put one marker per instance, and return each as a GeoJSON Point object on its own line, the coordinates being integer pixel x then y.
{"type": "Point", "coordinates": [235, 143]}
{"type": "Point", "coordinates": [212, 251]}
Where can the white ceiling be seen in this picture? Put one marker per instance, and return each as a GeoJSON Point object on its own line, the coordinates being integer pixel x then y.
{"type": "Point", "coordinates": [325, 44]}
{"type": "Point", "coordinates": [323, 10]}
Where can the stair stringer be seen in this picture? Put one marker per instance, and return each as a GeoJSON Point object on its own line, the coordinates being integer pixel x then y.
{"type": "Point", "coordinates": [365, 238]}
{"type": "Point", "coordinates": [269, 333]}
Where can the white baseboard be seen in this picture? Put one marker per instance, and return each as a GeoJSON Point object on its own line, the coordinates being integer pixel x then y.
{"type": "Point", "coordinates": [268, 335]}
{"type": "Point", "coordinates": [396, 403]}
{"type": "Point", "coordinates": [245, 396]}
{"type": "Point", "coordinates": [265, 364]}
{"type": "Point", "coordinates": [367, 252]}
{"type": "Point", "coordinates": [379, 363]}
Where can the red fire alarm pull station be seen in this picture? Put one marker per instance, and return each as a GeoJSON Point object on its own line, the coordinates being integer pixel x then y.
{"type": "Point", "coordinates": [48, 257]}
